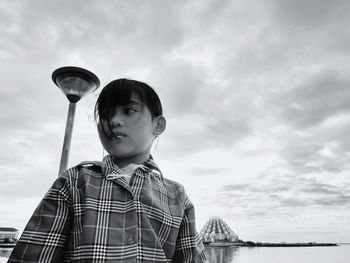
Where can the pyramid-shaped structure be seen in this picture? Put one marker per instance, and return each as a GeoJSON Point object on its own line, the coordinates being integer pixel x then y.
{"type": "Point", "coordinates": [216, 230]}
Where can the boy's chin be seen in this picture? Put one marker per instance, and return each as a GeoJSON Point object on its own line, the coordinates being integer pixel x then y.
{"type": "Point", "coordinates": [121, 154]}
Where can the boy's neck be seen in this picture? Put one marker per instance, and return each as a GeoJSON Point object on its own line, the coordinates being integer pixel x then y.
{"type": "Point", "coordinates": [139, 159]}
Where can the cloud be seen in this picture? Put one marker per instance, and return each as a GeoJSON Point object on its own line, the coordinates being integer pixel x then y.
{"type": "Point", "coordinates": [234, 187]}
{"type": "Point", "coordinates": [313, 13]}
{"type": "Point", "coordinates": [28, 163]}
{"type": "Point", "coordinates": [179, 84]}
{"type": "Point", "coordinates": [226, 131]}
{"type": "Point", "coordinates": [317, 99]}
{"type": "Point", "coordinates": [339, 200]}
{"type": "Point", "coordinates": [210, 171]}
{"type": "Point", "coordinates": [256, 188]}
{"type": "Point", "coordinates": [289, 192]}
{"type": "Point", "coordinates": [320, 149]}
{"type": "Point", "coordinates": [76, 25]}
{"type": "Point", "coordinates": [190, 135]}
{"type": "Point", "coordinates": [294, 202]}
{"type": "Point", "coordinates": [322, 188]}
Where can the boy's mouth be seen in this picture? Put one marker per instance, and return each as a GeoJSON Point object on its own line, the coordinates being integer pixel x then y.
{"type": "Point", "coordinates": [118, 135]}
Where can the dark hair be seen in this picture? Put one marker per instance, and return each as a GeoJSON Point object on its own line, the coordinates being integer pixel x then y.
{"type": "Point", "coordinates": [120, 92]}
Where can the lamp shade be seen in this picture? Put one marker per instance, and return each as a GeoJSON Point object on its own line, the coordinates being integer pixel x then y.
{"type": "Point", "coordinates": [75, 82]}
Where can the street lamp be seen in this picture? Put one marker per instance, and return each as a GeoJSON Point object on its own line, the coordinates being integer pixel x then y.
{"type": "Point", "coordinates": [75, 83]}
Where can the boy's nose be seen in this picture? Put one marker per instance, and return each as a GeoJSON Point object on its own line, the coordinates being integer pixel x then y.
{"type": "Point", "coordinates": [117, 120]}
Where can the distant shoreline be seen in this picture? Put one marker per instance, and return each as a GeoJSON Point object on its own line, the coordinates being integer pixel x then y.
{"type": "Point", "coordinates": [261, 244]}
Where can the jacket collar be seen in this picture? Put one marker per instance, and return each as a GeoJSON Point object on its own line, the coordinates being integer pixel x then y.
{"type": "Point", "coordinates": [109, 166]}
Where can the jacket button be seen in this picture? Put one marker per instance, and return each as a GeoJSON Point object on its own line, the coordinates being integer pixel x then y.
{"type": "Point", "coordinates": [131, 240]}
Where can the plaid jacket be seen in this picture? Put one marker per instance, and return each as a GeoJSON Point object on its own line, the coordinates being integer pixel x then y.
{"type": "Point", "coordinates": [91, 214]}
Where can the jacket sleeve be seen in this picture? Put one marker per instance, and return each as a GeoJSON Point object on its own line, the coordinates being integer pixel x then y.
{"type": "Point", "coordinates": [45, 237]}
{"type": "Point", "coordinates": [189, 247]}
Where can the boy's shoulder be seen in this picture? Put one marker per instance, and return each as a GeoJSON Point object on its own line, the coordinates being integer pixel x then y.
{"type": "Point", "coordinates": [177, 191]}
{"type": "Point", "coordinates": [92, 164]}
{"type": "Point", "coordinates": [94, 167]}
{"type": "Point", "coordinates": [174, 186]}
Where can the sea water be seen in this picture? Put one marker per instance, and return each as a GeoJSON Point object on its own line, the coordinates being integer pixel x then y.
{"type": "Point", "coordinates": [338, 254]}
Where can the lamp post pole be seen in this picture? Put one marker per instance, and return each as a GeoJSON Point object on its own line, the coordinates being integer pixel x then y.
{"type": "Point", "coordinates": [75, 83]}
{"type": "Point", "coordinates": [67, 137]}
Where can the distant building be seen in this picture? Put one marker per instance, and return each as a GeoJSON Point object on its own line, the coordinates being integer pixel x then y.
{"type": "Point", "coordinates": [216, 230]}
{"type": "Point", "coordinates": [7, 232]}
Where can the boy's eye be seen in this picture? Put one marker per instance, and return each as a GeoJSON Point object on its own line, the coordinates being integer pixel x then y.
{"type": "Point", "coordinates": [129, 110]}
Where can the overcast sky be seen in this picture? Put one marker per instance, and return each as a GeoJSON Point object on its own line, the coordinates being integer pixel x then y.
{"type": "Point", "coordinates": [256, 95]}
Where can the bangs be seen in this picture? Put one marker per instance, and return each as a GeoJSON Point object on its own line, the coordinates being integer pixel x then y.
{"type": "Point", "coordinates": [117, 93]}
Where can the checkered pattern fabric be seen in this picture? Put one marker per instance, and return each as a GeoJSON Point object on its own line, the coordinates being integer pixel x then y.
{"type": "Point", "coordinates": [91, 214]}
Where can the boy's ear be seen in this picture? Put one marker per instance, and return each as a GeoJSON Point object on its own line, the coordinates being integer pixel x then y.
{"type": "Point", "coordinates": [160, 125]}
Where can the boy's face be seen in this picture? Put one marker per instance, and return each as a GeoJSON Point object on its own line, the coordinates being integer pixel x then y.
{"type": "Point", "coordinates": [130, 132]}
